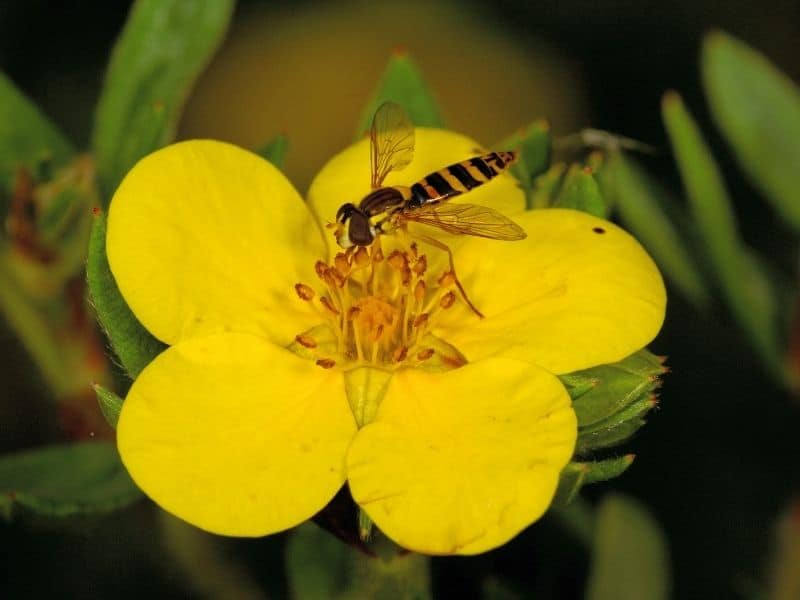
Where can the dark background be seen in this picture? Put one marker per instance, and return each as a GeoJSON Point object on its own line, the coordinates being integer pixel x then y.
{"type": "Point", "coordinates": [717, 464]}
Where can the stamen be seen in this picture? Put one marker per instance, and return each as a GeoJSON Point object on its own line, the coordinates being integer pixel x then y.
{"type": "Point", "coordinates": [342, 264]}
{"type": "Point", "coordinates": [361, 257]}
{"type": "Point", "coordinates": [377, 255]}
{"type": "Point", "coordinates": [425, 354]}
{"type": "Point", "coordinates": [419, 291]}
{"type": "Point", "coordinates": [304, 291]}
{"type": "Point", "coordinates": [447, 300]}
{"type": "Point", "coordinates": [326, 363]}
{"type": "Point", "coordinates": [321, 269]}
{"type": "Point", "coordinates": [327, 303]}
{"type": "Point", "coordinates": [447, 279]}
{"type": "Point", "coordinates": [421, 265]}
{"type": "Point", "coordinates": [421, 320]}
{"type": "Point", "coordinates": [400, 354]}
{"type": "Point", "coordinates": [305, 340]}
{"type": "Point", "coordinates": [397, 260]}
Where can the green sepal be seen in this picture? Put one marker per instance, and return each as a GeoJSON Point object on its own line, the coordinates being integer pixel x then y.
{"type": "Point", "coordinates": [757, 108]}
{"type": "Point", "coordinates": [402, 82]}
{"type": "Point", "coordinates": [640, 203]}
{"type": "Point", "coordinates": [320, 566]}
{"type": "Point", "coordinates": [748, 293]}
{"type": "Point", "coordinates": [275, 150]}
{"type": "Point", "coordinates": [161, 51]}
{"type": "Point", "coordinates": [64, 480]}
{"type": "Point", "coordinates": [546, 186]}
{"type": "Point", "coordinates": [131, 342]}
{"type": "Point", "coordinates": [630, 560]}
{"type": "Point", "coordinates": [578, 474]}
{"type": "Point", "coordinates": [581, 192]}
{"type": "Point", "coordinates": [110, 404]}
{"type": "Point", "coordinates": [602, 392]}
{"type": "Point", "coordinates": [27, 137]}
{"type": "Point", "coordinates": [617, 432]}
{"type": "Point", "coordinates": [534, 146]}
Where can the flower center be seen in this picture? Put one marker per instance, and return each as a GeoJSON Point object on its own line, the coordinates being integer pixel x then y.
{"type": "Point", "coordinates": [378, 309]}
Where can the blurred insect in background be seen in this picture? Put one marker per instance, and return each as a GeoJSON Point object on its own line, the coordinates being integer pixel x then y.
{"type": "Point", "coordinates": [386, 209]}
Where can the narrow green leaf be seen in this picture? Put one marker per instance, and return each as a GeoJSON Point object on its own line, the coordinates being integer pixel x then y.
{"type": "Point", "coordinates": [70, 479]}
{"type": "Point", "coordinates": [27, 138]}
{"type": "Point", "coordinates": [757, 108]}
{"type": "Point", "coordinates": [630, 558]}
{"type": "Point", "coordinates": [581, 192]}
{"type": "Point", "coordinates": [713, 214]}
{"type": "Point", "coordinates": [110, 404]}
{"type": "Point", "coordinates": [275, 150]}
{"type": "Point", "coordinates": [639, 201]}
{"type": "Point", "coordinates": [131, 342]}
{"type": "Point", "coordinates": [603, 470]}
{"type": "Point", "coordinates": [162, 49]}
{"type": "Point", "coordinates": [320, 567]}
{"type": "Point", "coordinates": [534, 145]}
{"type": "Point", "coordinates": [402, 82]}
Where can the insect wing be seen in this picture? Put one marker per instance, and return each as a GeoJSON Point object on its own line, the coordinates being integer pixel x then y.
{"type": "Point", "coordinates": [391, 142]}
{"type": "Point", "coordinates": [467, 219]}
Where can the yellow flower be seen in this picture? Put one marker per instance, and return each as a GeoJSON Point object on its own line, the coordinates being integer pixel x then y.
{"type": "Point", "coordinates": [291, 371]}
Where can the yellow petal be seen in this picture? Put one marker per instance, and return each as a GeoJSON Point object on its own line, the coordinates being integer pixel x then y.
{"type": "Point", "coordinates": [206, 237]}
{"type": "Point", "coordinates": [460, 462]}
{"type": "Point", "coordinates": [346, 177]}
{"type": "Point", "coordinates": [576, 293]}
{"type": "Point", "coordinates": [235, 435]}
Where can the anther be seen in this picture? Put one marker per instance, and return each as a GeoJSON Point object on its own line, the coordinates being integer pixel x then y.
{"type": "Point", "coordinates": [419, 291]}
{"type": "Point", "coordinates": [321, 268]}
{"type": "Point", "coordinates": [361, 257]}
{"type": "Point", "coordinates": [305, 292]}
{"type": "Point", "coordinates": [421, 320]}
{"type": "Point", "coordinates": [399, 355]}
{"type": "Point", "coordinates": [421, 265]}
{"type": "Point", "coordinates": [305, 340]}
{"type": "Point", "coordinates": [406, 276]}
{"type": "Point", "coordinates": [342, 265]}
{"type": "Point", "coordinates": [447, 300]}
{"type": "Point", "coordinates": [397, 260]}
{"type": "Point", "coordinates": [447, 279]}
{"type": "Point", "coordinates": [376, 335]}
{"type": "Point", "coordinates": [353, 313]}
{"type": "Point", "coordinates": [326, 302]}
{"type": "Point", "coordinates": [425, 354]}
{"type": "Point", "coordinates": [326, 363]}
{"type": "Point", "coordinates": [413, 247]}
{"type": "Point", "coordinates": [336, 278]}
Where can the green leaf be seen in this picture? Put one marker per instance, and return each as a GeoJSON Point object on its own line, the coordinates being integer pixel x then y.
{"type": "Point", "coordinates": [275, 150]}
{"type": "Point", "coordinates": [716, 222]}
{"type": "Point", "coordinates": [639, 202]}
{"type": "Point", "coordinates": [757, 108]}
{"type": "Point", "coordinates": [110, 404]}
{"type": "Point", "coordinates": [581, 192]}
{"type": "Point", "coordinates": [402, 82]}
{"type": "Point", "coordinates": [27, 138]}
{"type": "Point", "coordinates": [630, 558]}
{"type": "Point", "coordinates": [577, 474]}
{"type": "Point", "coordinates": [602, 392]}
{"type": "Point", "coordinates": [534, 145]}
{"type": "Point", "coordinates": [59, 481]}
{"type": "Point", "coordinates": [161, 51]}
{"type": "Point", "coordinates": [320, 567]}
{"type": "Point", "coordinates": [131, 342]}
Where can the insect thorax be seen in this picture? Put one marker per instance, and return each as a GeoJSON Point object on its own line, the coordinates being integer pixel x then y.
{"type": "Point", "coordinates": [384, 200]}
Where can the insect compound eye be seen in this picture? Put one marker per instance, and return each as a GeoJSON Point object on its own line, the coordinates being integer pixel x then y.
{"type": "Point", "coordinates": [360, 232]}
{"type": "Point", "coordinates": [344, 212]}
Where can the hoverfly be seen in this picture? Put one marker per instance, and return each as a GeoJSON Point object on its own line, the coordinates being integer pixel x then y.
{"type": "Point", "coordinates": [386, 209]}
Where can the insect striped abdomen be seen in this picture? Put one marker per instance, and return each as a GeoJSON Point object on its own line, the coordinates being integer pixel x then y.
{"type": "Point", "coordinates": [461, 177]}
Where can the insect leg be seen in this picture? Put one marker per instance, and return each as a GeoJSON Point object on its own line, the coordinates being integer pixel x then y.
{"type": "Point", "coordinates": [442, 246]}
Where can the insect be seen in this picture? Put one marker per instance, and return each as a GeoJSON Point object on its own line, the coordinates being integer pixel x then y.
{"type": "Point", "coordinates": [386, 209]}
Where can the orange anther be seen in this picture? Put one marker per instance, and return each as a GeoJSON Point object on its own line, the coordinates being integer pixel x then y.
{"type": "Point", "coordinates": [419, 291]}
{"type": "Point", "coordinates": [305, 340]}
{"type": "Point", "coordinates": [406, 276]}
{"type": "Point", "coordinates": [421, 265]}
{"type": "Point", "coordinates": [447, 300]}
{"type": "Point", "coordinates": [326, 363]}
{"type": "Point", "coordinates": [413, 247]}
{"type": "Point", "coordinates": [425, 354]}
{"type": "Point", "coordinates": [326, 302]}
{"type": "Point", "coordinates": [321, 268]}
{"type": "Point", "coordinates": [305, 292]}
{"type": "Point", "coordinates": [336, 278]}
{"type": "Point", "coordinates": [376, 335]}
{"type": "Point", "coordinates": [421, 320]}
{"type": "Point", "coordinates": [342, 264]}
{"type": "Point", "coordinates": [447, 279]}
{"type": "Point", "coordinates": [399, 355]}
{"type": "Point", "coordinates": [353, 313]}
{"type": "Point", "coordinates": [361, 257]}
{"type": "Point", "coordinates": [397, 260]}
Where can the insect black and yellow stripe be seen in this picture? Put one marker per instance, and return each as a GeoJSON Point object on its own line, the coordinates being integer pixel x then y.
{"type": "Point", "coordinates": [461, 177]}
